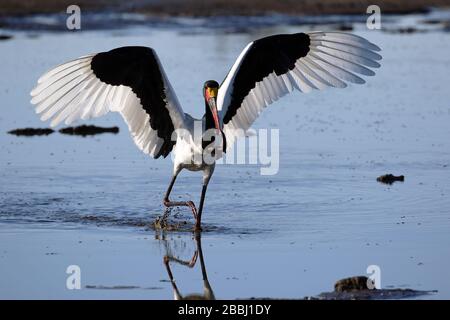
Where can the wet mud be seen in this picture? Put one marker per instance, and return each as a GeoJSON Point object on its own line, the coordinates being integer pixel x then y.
{"type": "Point", "coordinates": [390, 178]}
{"type": "Point", "coordinates": [83, 131]}
{"type": "Point", "coordinates": [120, 287]}
{"type": "Point", "coordinates": [5, 37]}
{"type": "Point", "coordinates": [363, 288]}
{"type": "Point", "coordinates": [29, 132]}
{"type": "Point", "coordinates": [88, 130]}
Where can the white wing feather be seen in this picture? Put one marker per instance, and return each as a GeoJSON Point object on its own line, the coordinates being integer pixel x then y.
{"type": "Point", "coordinates": [334, 59]}
{"type": "Point", "coordinates": [71, 91]}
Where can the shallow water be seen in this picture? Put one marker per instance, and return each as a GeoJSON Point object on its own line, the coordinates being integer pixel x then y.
{"type": "Point", "coordinates": [321, 218]}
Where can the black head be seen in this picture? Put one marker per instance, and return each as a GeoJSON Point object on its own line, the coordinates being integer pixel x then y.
{"type": "Point", "coordinates": [210, 92]}
{"type": "Point", "coordinates": [210, 84]}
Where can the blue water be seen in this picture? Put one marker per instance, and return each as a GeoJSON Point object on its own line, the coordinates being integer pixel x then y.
{"type": "Point", "coordinates": [322, 217]}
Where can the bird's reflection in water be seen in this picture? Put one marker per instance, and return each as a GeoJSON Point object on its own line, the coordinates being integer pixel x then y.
{"type": "Point", "coordinates": [170, 258]}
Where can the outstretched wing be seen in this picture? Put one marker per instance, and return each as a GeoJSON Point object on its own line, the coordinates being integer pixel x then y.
{"type": "Point", "coordinates": [271, 67]}
{"type": "Point", "coordinates": [128, 80]}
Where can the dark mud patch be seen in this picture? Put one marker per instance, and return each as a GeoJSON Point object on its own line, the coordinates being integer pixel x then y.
{"type": "Point", "coordinates": [357, 288]}
{"type": "Point", "coordinates": [443, 24]}
{"type": "Point", "coordinates": [5, 37]}
{"type": "Point", "coordinates": [88, 130]}
{"type": "Point", "coordinates": [374, 294]}
{"type": "Point", "coordinates": [363, 288]}
{"type": "Point", "coordinates": [29, 132]}
{"type": "Point", "coordinates": [120, 287]}
{"type": "Point", "coordinates": [344, 27]}
{"type": "Point", "coordinates": [404, 30]}
{"type": "Point", "coordinates": [434, 21]}
{"type": "Point", "coordinates": [352, 284]}
{"type": "Point", "coordinates": [200, 8]}
{"type": "Point", "coordinates": [390, 178]}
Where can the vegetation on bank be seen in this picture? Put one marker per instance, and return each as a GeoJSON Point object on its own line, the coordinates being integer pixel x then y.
{"type": "Point", "coordinates": [219, 7]}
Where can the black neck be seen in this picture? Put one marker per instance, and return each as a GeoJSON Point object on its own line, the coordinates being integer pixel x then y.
{"type": "Point", "coordinates": [209, 124]}
{"type": "Point", "coordinates": [209, 120]}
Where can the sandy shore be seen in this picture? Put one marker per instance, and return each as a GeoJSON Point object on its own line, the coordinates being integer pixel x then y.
{"type": "Point", "coordinates": [220, 7]}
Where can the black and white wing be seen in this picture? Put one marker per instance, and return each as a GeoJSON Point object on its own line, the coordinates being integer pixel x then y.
{"type": "Point", "coordinates": [271, 67]}
{"type": "Point", "coordinates": [128, 80]}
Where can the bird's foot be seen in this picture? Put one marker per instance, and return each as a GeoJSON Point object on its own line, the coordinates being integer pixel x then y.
{"type": "Point", "coordinates": [167, 203]}
{"type": "Point", "coordinates": [189, 204]}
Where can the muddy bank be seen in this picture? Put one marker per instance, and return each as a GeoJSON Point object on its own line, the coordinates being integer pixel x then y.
{"type": "Point", "coordinates": [195, 8]}
{"type": "Point", "coordinates": [390, 178]}
{"type": "Point", "coordinates": [256, 7]}
{"type": "Point", "coordinates": [375, 294]}
{"type": "Point", "coordinates": [29, 132]}
{"type": "Point", "coordinates": [236, 23]}
{"type": "Point", "coordinates": [88, 130]}
{"type": "Point", "coordinates": [357, 288]}
{"type": "Point", "coordinates": [231, 17]}
{"type": "Point", "coordinates": [74, 131]}
{"type": "Point", "coordinates": [5, 37]}
{"type": "Point", "coordinates": [121, 287]}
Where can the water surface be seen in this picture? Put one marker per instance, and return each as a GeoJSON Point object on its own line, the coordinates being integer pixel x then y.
{"type": "Point", "coordinates": [321, 218]}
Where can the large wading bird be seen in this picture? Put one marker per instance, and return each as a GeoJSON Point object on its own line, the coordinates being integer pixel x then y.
{"type": "Point", "coordinates": [132, 81]}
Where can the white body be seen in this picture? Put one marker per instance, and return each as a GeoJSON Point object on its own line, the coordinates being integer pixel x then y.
{"type": "Point", "coordinates": [188, 151]}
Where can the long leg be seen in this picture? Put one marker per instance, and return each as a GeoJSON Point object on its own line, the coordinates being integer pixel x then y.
{"type": "Point", "coordinates": [169, 203]}
{"type": "Point", "coordinates": [198, 219]}
{"type": "Point", "coordinates": [191, 263]}
{"type": "Point", "coordinates": [209, 293]}
{"type": "Point", "coordinates": [177, 293]}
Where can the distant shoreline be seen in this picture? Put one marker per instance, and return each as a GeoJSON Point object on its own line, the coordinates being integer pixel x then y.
{"type": "Point", "coordinates": [198, 8]}
{"type": "Point", "coordinates": [51, 15]}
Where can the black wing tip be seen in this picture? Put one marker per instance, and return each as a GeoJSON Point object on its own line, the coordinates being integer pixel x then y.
{"type": "Point", "coordinates": [138, 68]}
{"type": "Point", "coordinates": [165, 149]}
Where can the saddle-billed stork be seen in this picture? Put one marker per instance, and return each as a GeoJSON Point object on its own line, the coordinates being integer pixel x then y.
{"type": "Point", "coordinates": [132, 81]}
